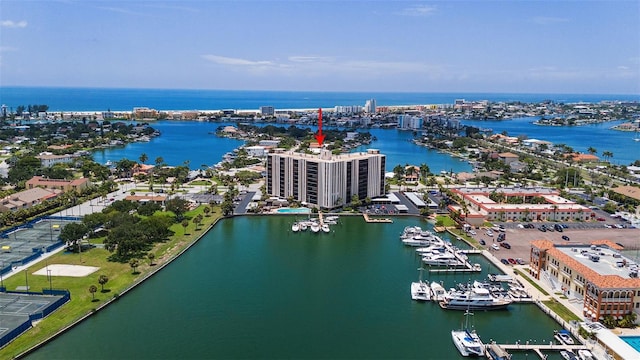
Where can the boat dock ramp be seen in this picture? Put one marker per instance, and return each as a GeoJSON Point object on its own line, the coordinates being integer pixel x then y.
{"type": "Point", "coordinates": [500, 349]}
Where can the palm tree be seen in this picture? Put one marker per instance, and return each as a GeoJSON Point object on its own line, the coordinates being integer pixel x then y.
{"type": "Point", "coordinates": [92, 290]}
{"type": "Point", "coordinates": [159, 161]}
{"type": "Point", "coordinates": [591, 150]}
{"type": "Point", "coordinates": [143, 158]}
{"type": "Point", "coordinates": [184, 224]}
{"type": "Point", "coordinates": [607, 154]}
{"type": "Point", "coordinates": [151, 256]}
{"type": "Point", "coordinates": [103, 279]}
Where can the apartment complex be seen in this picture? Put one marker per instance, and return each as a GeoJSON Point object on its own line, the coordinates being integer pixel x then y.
{"type": "Point", "coordinates": [325, 180]}
{"type": "Point", "coordinates": [60, 184]}
{"type": "Point", "coordinates": [517, 204]}
{"type": "Point", "coordinates": [606, 281]}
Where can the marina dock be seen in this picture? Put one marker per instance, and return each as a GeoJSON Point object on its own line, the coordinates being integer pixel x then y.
{"type": "Point", "coordinates": [376, 220]}
{"type": "Point", "coordinates": [537, 348]}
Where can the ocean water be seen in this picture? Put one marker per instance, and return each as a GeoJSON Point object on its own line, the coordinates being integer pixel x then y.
{"type": "Point", "coordinates": [102, 99]}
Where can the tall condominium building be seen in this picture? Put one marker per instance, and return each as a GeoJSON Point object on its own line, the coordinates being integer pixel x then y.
{"type": "Point", "coordinates": [370, 106]}
{"type": "Point", "coordinates": [325, 181]}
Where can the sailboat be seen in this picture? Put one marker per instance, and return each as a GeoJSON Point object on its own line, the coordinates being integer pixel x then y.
{"type": "Point", "coordinates": [468, 342]}
{"type": "Point", "coordinates": [420, 290]}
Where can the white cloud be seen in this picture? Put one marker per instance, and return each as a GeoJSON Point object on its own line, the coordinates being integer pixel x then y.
{"type": "Point", "coordinates": [223, 60]}
{"type": "Point", "coordinates": [418, 10]}
{"type": "Point", "coordinates": [321, 66]}
{"type": "Point", "coordinates": [548, 20]}
{"type": "Point", "coordinates": [13, 24]}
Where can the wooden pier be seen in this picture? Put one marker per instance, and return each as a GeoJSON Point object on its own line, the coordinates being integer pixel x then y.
{"type": "Point", "coordinates": [375, 220]}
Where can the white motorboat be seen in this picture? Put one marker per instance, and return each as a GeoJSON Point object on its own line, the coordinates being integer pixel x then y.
{"type": "Point", "coordinates": [568, 355]}
{"type": "Point", "coordinates": [420, 290]}
{"type": "Point", "coordinates": [444, 259]}
{"type": "Point", "coordinates": [467, 341]}
{"type": "Point", "coordinates": [303, 226]}
{"type": "Point", "coordinates": [437, 291]}
{"type": "Point", "coordinates": [315, 227]}
{"type": "Point", "coordinates": [564, 337]}
{"type": "Point", "coordinates": [585, 354]}
{"type": "Point", "coordinates": [295, 227]}
{"type": "Point", "coordinates": [325, 228]}
{"type": "Point", "coordinates": [473, 297]}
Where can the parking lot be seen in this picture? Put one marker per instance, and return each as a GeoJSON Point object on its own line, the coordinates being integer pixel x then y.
{"type": "Point", "coordinates": [520, 239]}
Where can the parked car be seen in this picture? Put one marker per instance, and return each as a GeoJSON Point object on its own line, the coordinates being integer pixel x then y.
{"type": "Point", "coordinates": [601, 219]}
{"type": "Point", "coordinates": [512, 261]}
{"type": "Point", "coordinates": [558, 227]}
{"type": "Point", "coordinates": [482, 242]}
{"type": "Point", "coordinates": [504, 261]}
{"type": "Point", "coordinates": [565, 238]}
{"type": "Point", "coordinates": [489, 233]}
{"type": "Point", "coordinates": [542, 228]}
{"type": "Point", "coordinates": [520, 261]}
{"type": "Point", "coordinates": [495, 247]}
{"type": "Point", "coordinates": [505, 245]}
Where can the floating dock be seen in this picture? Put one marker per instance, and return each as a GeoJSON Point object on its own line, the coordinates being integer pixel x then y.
{"type": "Point", "coordinates": [376, 220]}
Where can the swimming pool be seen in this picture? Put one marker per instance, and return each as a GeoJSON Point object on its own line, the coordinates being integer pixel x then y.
{"type": "Point", "coordinates": [634, 341]}
{"type": "Point", "coordinates": [301, 210]}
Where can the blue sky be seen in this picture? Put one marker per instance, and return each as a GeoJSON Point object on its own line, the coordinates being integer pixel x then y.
{"type": "Point", "coordinates": [436, 46]}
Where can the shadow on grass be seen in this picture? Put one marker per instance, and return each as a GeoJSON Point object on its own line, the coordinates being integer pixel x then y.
{"type": "Point", "coordinates": [95, 300]}
{"type": "Point", "coordinates": [105, 291]}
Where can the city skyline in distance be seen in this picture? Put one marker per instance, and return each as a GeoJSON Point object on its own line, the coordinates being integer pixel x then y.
{"type": "Point", "coordinates": [460, 46]}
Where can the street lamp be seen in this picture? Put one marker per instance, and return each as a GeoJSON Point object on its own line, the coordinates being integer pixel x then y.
{"type": "Point", "coordinates": [26, 279]}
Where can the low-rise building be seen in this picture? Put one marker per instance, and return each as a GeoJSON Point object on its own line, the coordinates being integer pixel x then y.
{"type": "Point", "coordinates": [48, 160]}
{"type": "Point", "coordinates": [517, 204]}
{"type": "Point", "coordinates": [27, 198]}
{"type": "Point", "coordinates": [597, 274]}
{"type": "Point", "coordinates": [59, 184]}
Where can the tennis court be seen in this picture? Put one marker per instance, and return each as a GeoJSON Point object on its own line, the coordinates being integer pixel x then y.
{"type": "Point", "coordinates": [16, 308]}
{"type": "Point", "coordinates": [24, 241]}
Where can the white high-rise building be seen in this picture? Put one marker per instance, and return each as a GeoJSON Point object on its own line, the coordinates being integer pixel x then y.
{"type": "Point", "coordinates": [370, 106]}
{"type": "Point", "coordinates": [325, 180]}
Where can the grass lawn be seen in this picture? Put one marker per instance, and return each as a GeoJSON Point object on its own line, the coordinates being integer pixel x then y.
{"type": "Point", "coordinates": [120, 277]}
{"type": "Point", "coordinates": [445, 220]}
{"type": "Point", "coordinates": [561, 311]}
{"type": "Point", "coordinates": [200, 183]}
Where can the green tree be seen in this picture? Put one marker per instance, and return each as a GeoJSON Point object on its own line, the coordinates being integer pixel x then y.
{"type": "Point", "coordinates": [92, 290]}
{"type": "Point", "coordinates": [103, 279]}
{"type": "Point", "coordinates": [178, 206]}
{"type": "Point", "coordinates": [184, 224]}
{"type": "Point", "coordinates": [206, 211]}
{"type": "Point", "coordinates": [134, 263]}
{"type": "Point", "coordinates": [143, 158]}
{"type": "Point", "coordinates": [151, 256]}
{"type": "Point", "coordinates": [72, 233]}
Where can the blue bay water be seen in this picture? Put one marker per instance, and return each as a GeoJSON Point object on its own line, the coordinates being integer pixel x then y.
{"type": "Point", "coordinates": [181, 141]}
{"type": "Point", "coordinates": [189, 140]}
{"type": "Point", "coordinates": [252, 289]}
{"type": "Point", "coordinates": [599, 136]}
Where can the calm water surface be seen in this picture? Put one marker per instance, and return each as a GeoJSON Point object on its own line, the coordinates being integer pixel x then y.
{"type": "Point", "coordinates": [253, 289]}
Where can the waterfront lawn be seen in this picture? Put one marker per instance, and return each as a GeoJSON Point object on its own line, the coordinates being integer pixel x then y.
{"type": "Point", "coordinates": [445, 220]}
{"type": "Point", "coordinates": [120, 277]}
{"type": "Point", "coordinates": [533, 283]}
{"type": "Point", "coordinates": [561, 310]}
